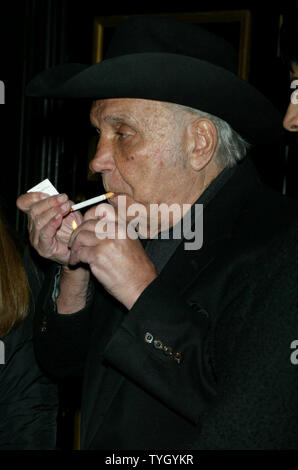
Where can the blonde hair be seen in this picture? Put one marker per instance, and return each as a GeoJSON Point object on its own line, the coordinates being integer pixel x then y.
{"type": "Point", "coordinates": [14, 287]}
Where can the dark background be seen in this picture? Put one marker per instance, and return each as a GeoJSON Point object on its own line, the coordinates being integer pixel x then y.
{"type": "Point", "coordinates": [43, 138]}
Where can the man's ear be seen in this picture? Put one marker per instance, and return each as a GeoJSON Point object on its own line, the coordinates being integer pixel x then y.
{"type": "Point", "coordinates": [203, 137]}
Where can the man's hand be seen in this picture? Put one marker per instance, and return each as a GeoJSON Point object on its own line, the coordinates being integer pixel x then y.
{"type": "Point", "coordinates": [120, 264]}
{"type": "Point", "coordinates": [49, 224]}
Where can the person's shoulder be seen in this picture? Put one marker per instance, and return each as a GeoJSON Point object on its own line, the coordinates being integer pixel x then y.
{"type": "Point", "coordinates": [270, 215]}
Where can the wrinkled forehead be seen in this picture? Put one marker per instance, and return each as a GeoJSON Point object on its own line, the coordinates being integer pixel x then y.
{"type": "Point", "coordinates": [96, 109]}
{"type": "Point", "coordinates": [129, 108]}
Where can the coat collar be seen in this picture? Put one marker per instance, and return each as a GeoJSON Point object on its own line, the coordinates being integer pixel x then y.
{"type": "Point", "coordinates": [219, 222]}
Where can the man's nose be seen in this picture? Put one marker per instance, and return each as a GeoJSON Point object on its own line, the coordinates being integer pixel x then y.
{"type": "Point", "coordinates": [290, 121]}
{"type": "Point", "coordinates": [103, 159]}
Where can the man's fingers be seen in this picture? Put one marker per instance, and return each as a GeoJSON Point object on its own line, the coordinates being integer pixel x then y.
{"type": "Point", "coordinates": [43, 226]}
{"type": "Point", "coordinates": [99, 211]}
{"type": "Point", "coordinates": [84, 254]}
{"type": "Point", "coordinates": [84, 240]}
{"type": "Point", "coordinates": [40, 219]}
{"type": "Point", "coordinates": [37, 202]}
{"type": "Point", "coordinates": [44, 240]}
{"type": "Point", "coordinates": [88, 225]}
{"type": "Point", "coordinates": [26, 201]}
{"type": "Point", "coordinates": [59, 202]}
{"type": "Point", "coordinates": [49, 223]}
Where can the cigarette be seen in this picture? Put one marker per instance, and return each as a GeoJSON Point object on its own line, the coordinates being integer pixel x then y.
{"type": "Point", "coordinates": [91, 201]}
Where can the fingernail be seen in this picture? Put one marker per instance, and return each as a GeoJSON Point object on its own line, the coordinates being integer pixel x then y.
{"type": "Point", "coordinates": [65, 206]}
{"type": "Point", "coordinates": [62, 197]}
{"type": "Point", "coordinates": [57, 216]}
{"type": "Point", "coordinates": [44, 196]}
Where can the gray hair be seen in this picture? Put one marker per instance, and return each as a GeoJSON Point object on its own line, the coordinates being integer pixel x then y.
{"type": "Point", "coordinates": [231, 147]}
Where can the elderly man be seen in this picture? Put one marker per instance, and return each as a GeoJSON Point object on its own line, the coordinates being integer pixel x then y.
{"type": "Point", "coordinates": [178, 348]}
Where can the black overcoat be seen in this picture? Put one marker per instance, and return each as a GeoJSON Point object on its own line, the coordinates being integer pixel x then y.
{"type": "Point", "coordinates": [229, 309]}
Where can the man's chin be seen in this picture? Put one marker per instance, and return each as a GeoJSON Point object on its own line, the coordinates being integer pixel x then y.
{"type": "Point", "coordinates": [121, 199]}
{"type": "Point", "coordinates": [116, 198]}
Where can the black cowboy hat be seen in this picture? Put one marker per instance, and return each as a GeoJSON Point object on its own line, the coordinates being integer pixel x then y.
{"type": "Point", "coordinates": [159, 58]}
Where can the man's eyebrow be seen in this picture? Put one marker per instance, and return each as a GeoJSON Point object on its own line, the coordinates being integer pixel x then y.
{"type": "Point", "coordinates": [117, 118]}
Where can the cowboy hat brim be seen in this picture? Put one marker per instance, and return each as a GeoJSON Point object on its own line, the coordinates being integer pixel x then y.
{"type": "Point", "coordinates": [170, 78]}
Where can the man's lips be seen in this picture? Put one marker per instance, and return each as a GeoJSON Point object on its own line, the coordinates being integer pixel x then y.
{"type": "Point", "coordinates": [117, 195]}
